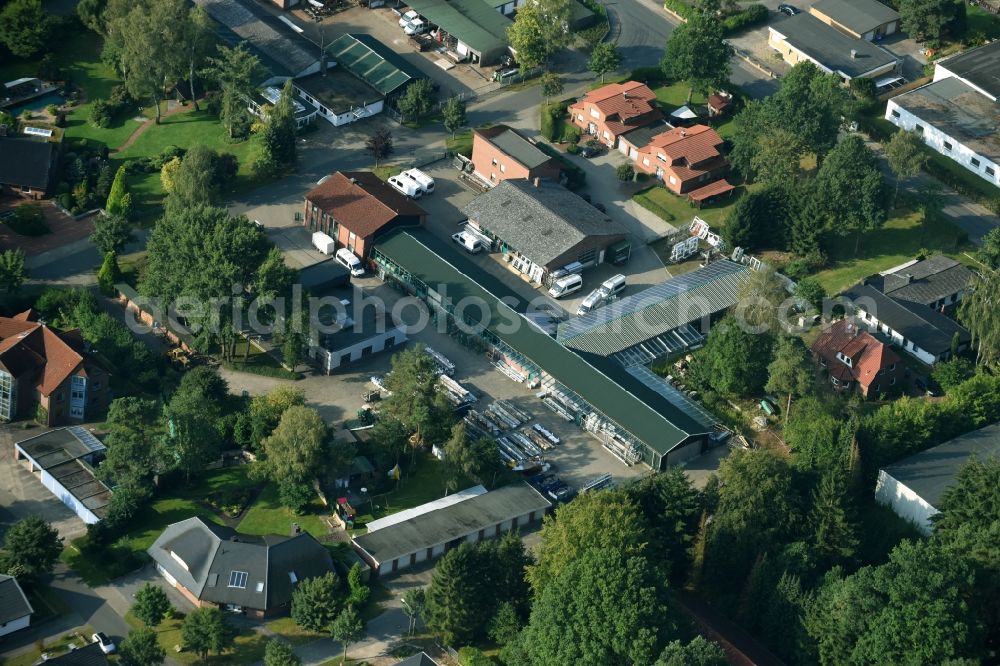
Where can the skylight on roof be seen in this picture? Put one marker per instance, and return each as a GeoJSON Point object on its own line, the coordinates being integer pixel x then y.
{"type": "Point", "coordinates": [238, 579]}
{"type": "Point", "coordinates": [260, 586]}
{"type": "Point", "coordinates": [292, 577]}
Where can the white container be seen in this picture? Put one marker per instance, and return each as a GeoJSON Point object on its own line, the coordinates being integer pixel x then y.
{"type": "Point", "coordinates": [566, 286]}
{"type": "Point", "coordinates": [426, 182]}
{"type": "Point", "coordinates": [323, 243]}
{"type": "Point", "coordinates": [348, 260]}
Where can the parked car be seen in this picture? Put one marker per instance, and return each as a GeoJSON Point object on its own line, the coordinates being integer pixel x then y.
{"type": "Point", "coordinates": [788, 10]}
{"type": "Point", "coordinates": [469, 243]}
{"type": "Point", "coordinates": [589, 151]}
{"type": "Point", "coordinates": [415, 27]}
{"type": "Point", "coordinates": [408, 17]}
{"type": "Point", "coordinates": [350, 261]}
{"type": "Point", "coordinates": [107, 645]}
{"type": "Point", "coordinates": [565, 286]}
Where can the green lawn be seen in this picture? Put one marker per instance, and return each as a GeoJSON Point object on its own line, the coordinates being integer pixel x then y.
{"type": "Point", "coordinates": [80, 636]}
{"type": "Point", "coordinates": [267, 516]}
{"type": "Point", "coordinates": [678, 211]}
{"type": "Point", "coordinates": [460, 143]}
{"type": "Point", "coordinates": [424, 484]}
{"type": "Point", "coordinates": [249, 647]}
{"type": "Point", "coordinates": [294, 634]}
{"type": "Point", "coordinates": [674, 95]}
{"type": "Point", "coordinates": [902, 237]}
{"type": "Point", "coordinates": [980, 21]}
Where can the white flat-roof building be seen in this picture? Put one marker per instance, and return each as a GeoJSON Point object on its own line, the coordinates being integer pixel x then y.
{"type": "Point", "coordinates": [958, 114]}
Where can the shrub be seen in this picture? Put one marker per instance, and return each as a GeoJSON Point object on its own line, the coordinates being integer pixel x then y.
{"type": "Point", "coordinates": [648, 75]}
{"type": "Point", "coordinates": [168, 153]}
{"type": "Point", "coordinates": [65, 200]}
{"type": "Point", "coordinates": [101, 113]}
{"type": "Point", "coordinates": [570, 134]}
{"type": "Point", "coordinates": [679, 7]}
{"type": "Point", "coordinates": [213, 102]}
{"type": "Point", "coordinates": [120, 96]}
{"type": "Point", "coordinates": [573, 148]}
{"type": "Point", "coordinates": [625, 172]}
{"type": "Point", "coordinates": [52, 110]}
{"type": "Point", "coordinates": [28, 220]}
{"type": "Point", "coordinates": [745, 18]}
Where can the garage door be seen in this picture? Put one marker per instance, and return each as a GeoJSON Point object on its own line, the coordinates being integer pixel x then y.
{"type": "Point", "coordinates": [684, 453]}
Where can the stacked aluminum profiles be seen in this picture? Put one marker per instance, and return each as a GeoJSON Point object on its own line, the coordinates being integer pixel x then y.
{"type": "Point", "coordinates": [501, 412]}
{"type": "Point", "coordinates": [442, 362]}
{"type": "Point", "coordinates": [455, 392]}
{"type": "Point", "coordinates": [544, 432]}
{"type": "Point", "coordinates": [539, 440]}
{"type": "Point", "coordinates": [480, 422]}
{"type": "Point", "coordinates": [558, 407]}
{"type": "Point", "coordinates": [525, 444]}
{"type": "Point", "coordinates": [513, 410]}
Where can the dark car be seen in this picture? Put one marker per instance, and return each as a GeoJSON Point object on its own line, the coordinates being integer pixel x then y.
{"type": "Point", "coordinates": [788, 10]}
{"type": "Point", "coordinates": [590, 151]}
{"type": "Point", "coordinates": [599, 206]}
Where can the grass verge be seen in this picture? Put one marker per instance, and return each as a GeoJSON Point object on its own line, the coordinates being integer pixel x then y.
{"type": "Point", "coordinates": [249, 647]}
{"type": "Point", "coordinates": [672, 208]}
{"type": "Point", "coordinates": [460, 143]}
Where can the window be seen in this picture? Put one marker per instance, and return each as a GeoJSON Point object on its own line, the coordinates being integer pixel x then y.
{"type": "Point", "coordinates": [503, 169]}
{"type": "Point", "coordinates": [947, 145]}
{"type": "Point", "coordinates": [595, 113]}
{"type": "Point", "coordinates": [238, 579]}
{"type": "Point", "coordinates": [645, 161]}
{"type": "Point", "coordinates": [990, 171]}
{"type": "Point", "coordinates": [895, 113]}
{"type": "Point", "coordinates": [892, 367]}
{"type": "Point", "coordinates": [292, 577]}
{"type": "Point", "coordinates": [661, 157]}
{"type": "Point", "coordinates": [494, 162]}
{"type": "Point", "coordinates": [366, 351]}
{"type": "Point", "coordinates": [974, 162]}
{"type": "Point", "coordinates": [260, 586]}
{"type": "Point", "coordinates": [673, 180]}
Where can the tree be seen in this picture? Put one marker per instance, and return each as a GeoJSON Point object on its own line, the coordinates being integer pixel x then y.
{"type": "Point", "coordinates": [279, 653]}
{"type": "Point", "coordinates": [13, 272]}
{"type": "Point", "coordinates": [277, 139]}
{"type": "Point", "coordinates": [108, 274]}
{"type": "Point", "coordinates": [379, 144]}
{"type": "Point", "coordinates": [551, 85]}
{"type": "Point", "coordinates": [119, 203]}
{"type": "Point", "coordinates": [734, 361]}
{"type": "Point", "coordinates": [625, 172]}
{"type": "Point", "coordinates": [926, 20]}
{"type": "Point", "coordinates": [505, 625]}
{"type": "Point", "coordinates": [791, 372]}
{"type": "Point", "coordinates": [89, 12]}
{"type": "Point", "coordinates": [194, 439]}
{"type": "Point", "coordinates": [950, 374]}
{"type": "Point", "coordinates": [151, 605]}
{"type": "Point", "coordinates": [111, 233]}
{"type": "Point", "coordinates": [592, 520]}
{"type": "Point", "coordinates": [810, 290]}
{"type": "Point", "coordinates": [973, 500]}
{"type": "Point", "coordinates": [316, 601]}
{"type": "Point", "coordinates": [672, 509]}
{"type": "Point", "coordinates": [751, 222]}
{"type": "Point", "coordinates": [605, 607]}
{"type": "Point", "coordinates": [417, 100]}
{"type": "Point", "coordinates": [778, 158]}
{"type": "Point", "coordinates": [30, 549]}
{"type": "Point", "coordinates": [456, 596]}
{"type": "Point", "coordinates": [980, 314]}
{"type": "Point", "coordinates": [237, 72]}
{"type": "Point", "coordinates": [454, 114]}
{"type": "Point", "coordinates": [415, 401]}
{"type": "Point", "coordinates": [265, 412]}
{"type": "Point", "coordinates": [989, 251]}
{"type": "Point", "coordinates": [414, 605]}
{"type": "Point", "coordinates": [195, 32]}
{"type": "Point", "coordinates": [292, 348]}
{"type": "Point", "coordinates": [478, 460]}
{"type": "Point", "coordinates": [818, 434]}
{"type": "Point", "coordinates": [697, 53]}
{"type": "Point", "coordinates": [906, 155]}
{"type": "Point", "coordinates": [699, 652]}
{"type": "Point", "coordinates": [207, 629]}
{"type": "Point", "coordinates": [140, 648]}
{"type": "Point", "coordinates": [604, 58]}
{"type": "Point", "coordinates": [357, 590]}
{"type": "Point", "coordinates": [145, 59]}
{"type": "Point", "coordinates": [294, 451]}
{"type": "Point", "coordinates": [198, 178]}
{"type": "Point", "coordinates": [850, 184]}
{"type": "Point", "coordinates": [347, 628]}
{"type": "Point", "coordinates": [832, 523]}
{"type": "Point", "coordinates": [25, 27]}
{"type": "Point", "coordinates": [540, 29]}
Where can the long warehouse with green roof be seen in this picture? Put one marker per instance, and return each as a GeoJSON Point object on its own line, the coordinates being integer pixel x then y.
{"type": "Point", "coordinates": [635, 420]}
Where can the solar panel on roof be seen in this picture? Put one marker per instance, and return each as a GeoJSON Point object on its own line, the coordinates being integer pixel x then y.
{"type": "Point", "coordinates": [86, 438]}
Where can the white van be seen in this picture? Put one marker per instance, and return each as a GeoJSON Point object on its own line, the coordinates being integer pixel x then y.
{"type": "Point", "coordinates": [566, 286]}
{"type": "Point", "coordinates": [406, 186]}
{"type": "Point", "coordinates": [426, 182]}
{"type": "Point", "coordinates": [614, 285]}
{"type": "Point", "coordinates": [415, 27]}
{"type": "Point", "coordinates": [348, 260]}
{"type": "Point", "coordinates": [405, 19]}
{"type": "Point", "coordinates": [407, 177]}
{"type": "Point", "coordinates": [470, 243]}
{"type": "Point", "coordinates": [592, 301]}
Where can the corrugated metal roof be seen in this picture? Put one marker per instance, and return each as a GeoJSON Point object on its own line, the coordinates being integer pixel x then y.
{"type": "Point", "coordinates": [655, 311]}
{"type": "Point", "coordinates": [373, 62]}
{"type": "Point", "coordinates": [602, 383]}
{"type": "Point", "coordinates": [473, 22]}
{"type": "Point", "coordinates": [861, 16]}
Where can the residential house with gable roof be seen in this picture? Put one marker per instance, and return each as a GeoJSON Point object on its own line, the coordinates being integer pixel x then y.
{"type": "Point", "coordinates": [938, 282]}
{"type": "Point", "coordinates": [500, 153]}
{"type": "Point", "coordinates": [354, 207]}
{"type": "Point", "coordinates": [15, 609]}
{"type": "Point", "coordinates": [688, 160]}
{"type": "Point", "coordinates": [615, 109]}
{"type": "Point", "coordinates": [43, 367]}
{"type": "Point", "coordinates": [212, 565]}
{"type": "Point", "coordinates": [854, 359]}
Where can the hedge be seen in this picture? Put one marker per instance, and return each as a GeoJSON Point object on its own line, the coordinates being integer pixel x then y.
{"type": "Point", "coordinates": [745, 18]}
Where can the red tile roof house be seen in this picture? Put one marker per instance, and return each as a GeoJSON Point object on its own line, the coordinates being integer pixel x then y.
{"type": "Point", "coordinates": [500, 153]}
{"type": "Point", "coordinates": [43, 367]}
{"type": "Point", "coordinates": [615, 109]}
{"type": "Point", "coordinates": [689, 161]}
{"type": "Point", "coordinates": [855, 359]}
{"type": "Point", "coordinates": [353, 207]}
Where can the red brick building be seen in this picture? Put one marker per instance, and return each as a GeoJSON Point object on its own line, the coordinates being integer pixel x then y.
{"type": "Point", "coordinates": [500, 153]}
{"type": "Point", "coordinates": [614, 109]}
{"type": "Point", "coordinates": [854, 359]}
{"type": "Point", "coordinates": [686, 160]}
{"type": "Point", "coordinates": [354, 207]}
{"type": "Point", "coordinates": [43, 367]}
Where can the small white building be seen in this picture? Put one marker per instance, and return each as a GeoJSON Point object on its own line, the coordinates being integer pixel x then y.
{"type": "Point", "coordinates": [958, 114]}
{"type": "Point", "coordinates": [914, 486]}
{"type": "Point", "coordinates": [426, 532]}
{"type": "Point", "coordinates": [62, 459]}
{"type": "Point", "coordinates": [339, 97]}
{"type": "Point", "coordinates": [15, 609]}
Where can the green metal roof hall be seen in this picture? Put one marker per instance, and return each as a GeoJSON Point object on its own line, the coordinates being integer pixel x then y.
{"type": "Point", "coordinates": [634, 422]}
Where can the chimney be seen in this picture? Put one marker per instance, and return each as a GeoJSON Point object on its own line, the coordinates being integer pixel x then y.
{"type": "Point", "coordinates": [854, 54]}
{"type": "Point", "coordinates": [537, 182]}
{"type": "Point", "coordinates": [295, 529]}
{"type": "Point", "coordinates": [354, 181]}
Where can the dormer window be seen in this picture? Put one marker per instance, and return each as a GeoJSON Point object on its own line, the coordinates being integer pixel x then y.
{"type": "Point", "coordinates": [846, 360]}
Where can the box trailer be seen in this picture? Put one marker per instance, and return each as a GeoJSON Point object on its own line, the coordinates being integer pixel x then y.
{"type": "Point", "coordinates": [324, 243]}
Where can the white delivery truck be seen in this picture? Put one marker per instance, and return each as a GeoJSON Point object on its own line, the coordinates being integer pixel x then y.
{"type": "Point", "coordinates": [426, 182]}
{"type": "Point", "coordinates": [324, 243]}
